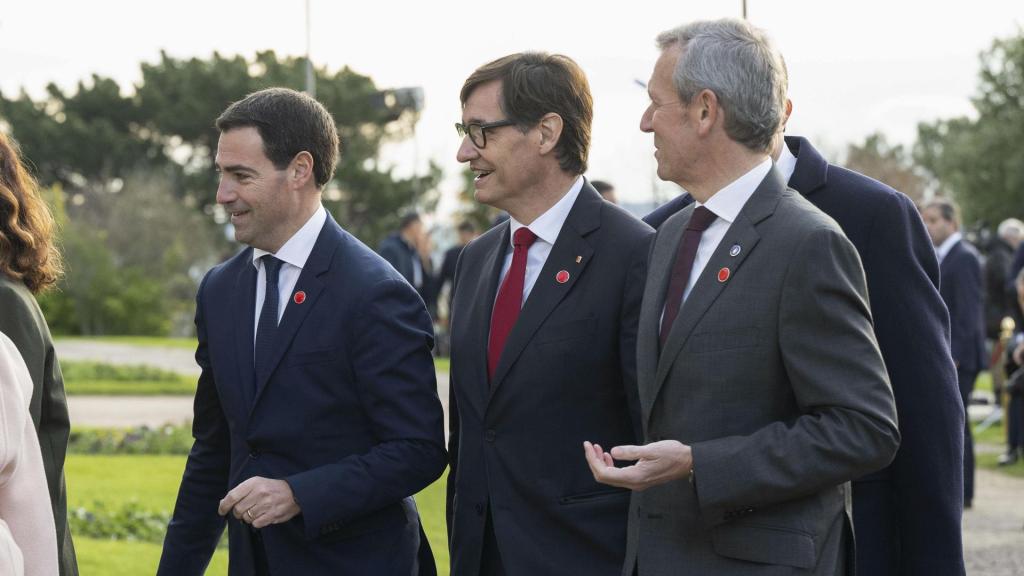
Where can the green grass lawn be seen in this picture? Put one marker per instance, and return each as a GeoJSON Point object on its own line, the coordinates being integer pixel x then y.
{"type": "Point", "coordinates": [152, 482]}
{"type": "Point", "coordinates": [101, 379]}
{"type": "Point", "coordinates": [150, 341]}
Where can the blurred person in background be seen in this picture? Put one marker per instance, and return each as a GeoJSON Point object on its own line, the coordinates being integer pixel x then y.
{"type": "Point", "coordinates": [28, 542]}
{"type": "Point", "coordinates": [961, 290]}
{"type": "Point", "coordinates": [408, 251]}
{"type": "Point", "coordinates": [29, 264]}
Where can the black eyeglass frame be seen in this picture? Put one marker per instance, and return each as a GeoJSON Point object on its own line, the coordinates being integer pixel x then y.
{"type": "Point", "coordinates": [467, 129]}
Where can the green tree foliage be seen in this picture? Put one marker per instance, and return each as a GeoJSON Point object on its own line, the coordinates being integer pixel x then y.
{"type": "Point", "coordinates": [135, 166]}
{"type": "Point", "coordinates": [980, 161]}
{"type": "Point", "coordinates": [891, 164]}
{"type": "Point", "coordinates": [88, 139]}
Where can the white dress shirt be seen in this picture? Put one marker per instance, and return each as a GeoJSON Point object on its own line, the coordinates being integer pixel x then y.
{"type": "Point", "coordinates": [786, 164]}
{"type": "Point", "coordinates": [293, 255]}
{"type": "Point", "coordinates": [726, 204]}
{"type": "Point", "coordinates": [546, 227]}
{"type": "Point", "coordinates": [947, 245]}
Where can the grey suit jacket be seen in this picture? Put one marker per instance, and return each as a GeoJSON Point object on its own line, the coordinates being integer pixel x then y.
{"type": "Point", "coordinates": [773, 376]}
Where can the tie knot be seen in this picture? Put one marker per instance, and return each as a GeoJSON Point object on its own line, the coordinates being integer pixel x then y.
{"type": "Point", "coordinates": [272, 266]}
{"type": "Point", "coordinates": [523, 238]}
{"type": "Point", "coordinates": [701, 219]}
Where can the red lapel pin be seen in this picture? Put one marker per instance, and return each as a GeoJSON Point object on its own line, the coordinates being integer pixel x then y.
{"type": "Point", "coordinates": [723, 274]}
{"type": "Point", "coordinates": [562, 277]}
{"type": "Point", "coordinates": [300, 297]}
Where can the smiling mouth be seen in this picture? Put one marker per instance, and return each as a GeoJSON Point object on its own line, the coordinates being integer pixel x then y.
{"type": "Point", "coordinates": [238, 214]}
{"type": "Point", "coordinates": [482, 174]}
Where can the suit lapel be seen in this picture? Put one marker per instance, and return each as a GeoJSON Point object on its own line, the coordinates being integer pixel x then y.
{"type": "Point", "coordinates": [547, 292]}
{"type": "Point", "coordinates": [708, 288]}
{"type": "Point", "coordinates": [480, 305]}
{"type": "Point", "coordinates": [244, 318]}
{"type": "Point", "coordinates": [310, 281]}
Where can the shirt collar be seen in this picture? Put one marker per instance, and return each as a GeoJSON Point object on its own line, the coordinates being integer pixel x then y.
{"type": "Point", "coordinates": [947, 245]}
{"type": "Point", "coordinates": [786, 164]}
{"type": "Point", "coordinates": [549, 224]}
{"type": "Point", "coordinates": [727, 202]}
{"type": "Point", "coordinates": [298, 248]}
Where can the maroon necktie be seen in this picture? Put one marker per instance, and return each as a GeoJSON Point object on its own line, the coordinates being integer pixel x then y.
{"type": "Point", "coordinates": [699, 222]}
{"type": "Point", "coordinates": [510, 299]}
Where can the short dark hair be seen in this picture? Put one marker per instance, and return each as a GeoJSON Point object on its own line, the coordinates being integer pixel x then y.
{"type": "Point", "coordinates": [601, 186]}
{"type": "Point", "coordinates": [289, 122]}
{"type": "Point", "coordinates": [537, 83]}
{"type": "Point", "coordinates": [408, 220]}
{"type": "Point", "coordinates": [948, 209]}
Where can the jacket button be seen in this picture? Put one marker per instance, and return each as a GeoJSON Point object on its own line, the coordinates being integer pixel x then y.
{"type": "Point", "coordinates": [479, 509]}
{"type": "Point", "coordinates": [489, 435]}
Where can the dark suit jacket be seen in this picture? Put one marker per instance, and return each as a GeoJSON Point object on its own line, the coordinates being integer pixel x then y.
{"type": "Point", "coordinates": [567, 374]}
{"type": "Point", "coordinates": [23, 322]}
{"type": "Point", "coordinates": [773, 376]}
{"type": "Point", "coordinates": [961, 289]}
{"type": "Point", "coordinates": [907, 516]}
{"type": "Point", "coordinates": [348, 416]}
{"type": "Point", "coordinates": [403, 258]}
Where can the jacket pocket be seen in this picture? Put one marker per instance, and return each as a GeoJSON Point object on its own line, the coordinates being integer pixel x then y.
{"type": "Point", "coordinates": [312, 357]}
{"type": "Point", "coordinates": [715, 341]}
{"type": "Point", "coordinates": [585, 497]}
{"type": "Point", "coordinates": [573, 330]}
{"type": "Point", "coordinates": [766, 544]}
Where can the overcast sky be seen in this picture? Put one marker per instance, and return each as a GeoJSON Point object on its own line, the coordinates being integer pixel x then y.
{"type": "Point", "coordinates": [855, 67]}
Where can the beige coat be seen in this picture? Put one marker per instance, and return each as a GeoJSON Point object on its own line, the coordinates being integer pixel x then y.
{"type": "Point", "coordinates": [28, 542]}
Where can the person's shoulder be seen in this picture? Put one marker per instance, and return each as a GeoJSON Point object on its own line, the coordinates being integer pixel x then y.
{"type": "Point", "coordinates": [623, 223]}
{"type": "Point", "coordinates": [800, 214]}
{"type": "Point", "coordinates": [866, 191]}
{"type": "Point", "coordinates": [12, 291]}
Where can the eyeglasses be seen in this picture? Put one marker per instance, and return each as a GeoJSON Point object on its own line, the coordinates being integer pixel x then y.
{"type": "Point", "coordinates": [478, 132]}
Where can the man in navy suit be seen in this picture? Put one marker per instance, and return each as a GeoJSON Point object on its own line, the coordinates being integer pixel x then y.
{"type": "Point", "coordinates": [907, 516]}
{"type": "Point", "coordinates": [962, 291]}
{"type": "Point", "coordinates": [543, 333]}
{"type": "Point", "coordinates": [316, 413]}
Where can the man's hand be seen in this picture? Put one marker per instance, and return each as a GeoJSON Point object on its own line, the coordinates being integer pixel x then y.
{"type": "Point", "coordinates": [260, 502]}
{"type": "Point", "coordinates": [657, 463]}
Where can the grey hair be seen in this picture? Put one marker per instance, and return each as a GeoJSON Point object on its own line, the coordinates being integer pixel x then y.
{"type": "Point", "coordinates": [1011, 228]}
{"type": "Point", "coordinates": [741, 66]}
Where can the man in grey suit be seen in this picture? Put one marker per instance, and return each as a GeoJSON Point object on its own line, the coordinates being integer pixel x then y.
{"type": "Point", "coordinates": [762, 389]}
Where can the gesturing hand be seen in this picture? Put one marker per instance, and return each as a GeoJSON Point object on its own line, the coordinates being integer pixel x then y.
{"type": "Point", "coordinates": [656, 463]}
{"type": "Point", "coordinates": [260, 502]}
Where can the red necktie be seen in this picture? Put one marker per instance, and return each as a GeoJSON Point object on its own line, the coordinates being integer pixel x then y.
{"type": "Point", "coordinates": [510, 299]}
{"type": "Point", "coordinates": [699, 222]}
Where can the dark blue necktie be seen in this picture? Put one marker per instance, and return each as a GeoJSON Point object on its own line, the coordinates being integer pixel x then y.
{"type": "Point", "coordinates": [266, 329]}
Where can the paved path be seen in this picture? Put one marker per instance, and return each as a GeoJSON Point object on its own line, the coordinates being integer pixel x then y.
{"type": "Point", "coordinates": [993, 529]}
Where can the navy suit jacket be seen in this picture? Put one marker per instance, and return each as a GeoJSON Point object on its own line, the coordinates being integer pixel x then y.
{"type": "Point", "coordinates": [348, 415]}
{"type": "Point", "coordinates": [907, 516]}
{"type": "Point", "coordinates": [961, 290]}
{"type": "Point", "coordinates": [567, 374]}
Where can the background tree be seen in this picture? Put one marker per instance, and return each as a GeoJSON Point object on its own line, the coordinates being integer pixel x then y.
{"type": "Point", "coordinates": [890, 164]}
{"type": "Point", "coordinates": [980, 161]}
{"type": "Point", "coordinates": [133, 170]}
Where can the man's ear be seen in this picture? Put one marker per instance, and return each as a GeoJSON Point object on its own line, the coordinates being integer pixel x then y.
{"type": "Point", "coordinates": [709, 112]}
{"type": "Point", "coordinates": [550, 129]}
{"type": "Point", "coordinates": [300, 171]}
